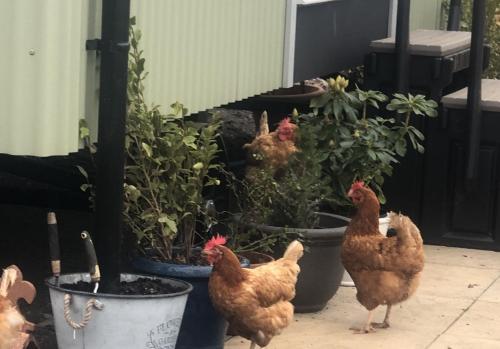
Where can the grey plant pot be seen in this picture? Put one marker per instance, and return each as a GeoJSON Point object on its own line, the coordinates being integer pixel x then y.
{"type": "Point", "coordinates": [321, 267]}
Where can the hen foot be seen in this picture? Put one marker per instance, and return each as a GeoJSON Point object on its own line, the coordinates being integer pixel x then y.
{"type": "Point", "coordinates": [385, 323]}
{"type": "Point", "coordinates": [362, 330]}
{"type": "Point", "coordinates": [367, 328]}
{"type": "Point", "coordinates": [381, 324]}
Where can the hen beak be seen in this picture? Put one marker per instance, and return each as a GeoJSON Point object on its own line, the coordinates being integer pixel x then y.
{"type": "Point", "coordinates": [350, 193]}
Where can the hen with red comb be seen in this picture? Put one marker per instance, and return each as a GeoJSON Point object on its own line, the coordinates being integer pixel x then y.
{"type": "Point", "coordinates": [215, 241]}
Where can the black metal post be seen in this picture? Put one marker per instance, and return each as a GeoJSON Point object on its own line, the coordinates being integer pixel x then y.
{"type": "Point", "coordinates": [474, 91]}
{"type": "Point", "coordinates": [111, 143]}
{"type": "Point", "coordinates": [403, 46]}
{"type": "Point", "coordinates": [454, 15]}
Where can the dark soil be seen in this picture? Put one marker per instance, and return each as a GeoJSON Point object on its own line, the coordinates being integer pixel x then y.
{"type": "Point", "coordinates": [141, 286]}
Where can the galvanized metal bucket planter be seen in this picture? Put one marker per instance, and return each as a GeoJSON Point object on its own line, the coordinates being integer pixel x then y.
{"type": "Point", "coordinates": [107, 321]}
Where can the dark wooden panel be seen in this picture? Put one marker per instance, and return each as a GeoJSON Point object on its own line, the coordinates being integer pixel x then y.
{"type": "Point", "coordinates": [473, 212]}
{"type": "Point", "coordinates": [453, 214]}
{"type": "Point", "coordinates": [333, 36]}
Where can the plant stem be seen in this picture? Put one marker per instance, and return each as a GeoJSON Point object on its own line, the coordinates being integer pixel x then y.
{"type": "Point", "coordinates": [407, 122]}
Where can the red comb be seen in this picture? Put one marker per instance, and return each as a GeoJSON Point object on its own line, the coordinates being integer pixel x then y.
{"type": "Point", "coordinates": [358, 185]}
{"type": "Point", "coordinates": [285, 122]}
{"type": "Point", "coordinates": [215, 241]}
{"type": "Point", "coordinates": [286, 130]}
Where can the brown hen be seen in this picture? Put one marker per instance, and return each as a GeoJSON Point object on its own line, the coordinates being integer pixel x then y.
{"type": "Point", "coordinates": [271, 150]}
{"type": "Point", "coordinates": [255, 302]}
{"type": "Point", "coordinates": [385, 270]}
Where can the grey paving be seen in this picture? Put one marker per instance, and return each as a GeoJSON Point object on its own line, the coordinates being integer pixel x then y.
{"type": "Point", "coordinates": [456, 307]}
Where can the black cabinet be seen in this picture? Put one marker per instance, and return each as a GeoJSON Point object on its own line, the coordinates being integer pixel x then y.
{"type": "Point", "coordinates": [455, 212]}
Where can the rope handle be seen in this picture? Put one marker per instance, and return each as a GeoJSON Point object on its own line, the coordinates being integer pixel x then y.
{"type": "Point", "coordinates": [87, 313]}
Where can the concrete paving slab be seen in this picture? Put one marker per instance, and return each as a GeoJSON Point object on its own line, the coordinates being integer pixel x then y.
{"type": "Point", "coordinates": [464, 342]}
{"type": "Point", "coordinates": [462, 257]}
{"type": "Point", "coordinates": [492, 294]}
{"type": "Point", "coordinates": [480, 321]}
{"type": "Point", "coordinates": [415, 324]}
{"type": "Point", "coordinates": [452, 281]}
{"type": "Point", "coordinates": [458, 297]}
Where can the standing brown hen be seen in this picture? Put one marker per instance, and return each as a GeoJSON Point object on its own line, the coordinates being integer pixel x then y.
{"type": "Point", "coordinates": [385, 270]}
{"type": "Point", "coordinates": [255, 302]}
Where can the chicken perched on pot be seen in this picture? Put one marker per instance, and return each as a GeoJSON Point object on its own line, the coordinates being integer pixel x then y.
{"type": "Point", "coordinates": [385, 270]}
{"type": "Point", "coordinates": [255, 302]}
{"type": "Point", "coordinates": [271, 150]}
{"type": "Point", "coordinates": [13, 325]}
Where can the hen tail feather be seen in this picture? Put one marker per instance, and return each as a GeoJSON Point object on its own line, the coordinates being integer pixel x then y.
{"type": "Point", "coordinates": [407, 232]}
{"type": "Point", "coordinates": [294, 251]}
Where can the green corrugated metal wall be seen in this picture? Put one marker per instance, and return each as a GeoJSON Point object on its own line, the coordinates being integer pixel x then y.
{"type": "Point", "coordinates": [43, 74]}
{"type": "Point", "coordinates": [211, 52]}
{"type": "Point", "coordinates": [202, 53]}
{"type": "Point", "coordinates": [426, 14]}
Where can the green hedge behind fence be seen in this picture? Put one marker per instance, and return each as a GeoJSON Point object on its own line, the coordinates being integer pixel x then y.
{"type": "Point", "coordinates": [492, 30]}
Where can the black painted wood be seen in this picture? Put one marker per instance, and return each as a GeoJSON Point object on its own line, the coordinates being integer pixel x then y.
{"type": "Point", "coordinates": [335, 35]}
{"type": "Point", "coordinates": [111, 142]}
{"type": "Point", "coordinates": [452, 214]}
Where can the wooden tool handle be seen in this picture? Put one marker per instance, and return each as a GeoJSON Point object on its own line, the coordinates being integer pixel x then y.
{"type": "Point", "coordinates": [95, 273]}
{"type": "Point", "coordinates": [55, 253]}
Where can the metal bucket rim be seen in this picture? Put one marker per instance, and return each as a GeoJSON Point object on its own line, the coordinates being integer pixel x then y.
{"type": "Point", "coordinates": [50, 284]}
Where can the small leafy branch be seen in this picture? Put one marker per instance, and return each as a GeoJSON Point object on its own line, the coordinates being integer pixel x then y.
{"type": "Point", "coordinates": [170, 161]}
{"type": "Point", "coordinates": [360, 146]}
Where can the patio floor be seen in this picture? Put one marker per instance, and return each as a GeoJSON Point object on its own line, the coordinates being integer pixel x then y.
{"type": "Point", "coordinates": [456, 307]}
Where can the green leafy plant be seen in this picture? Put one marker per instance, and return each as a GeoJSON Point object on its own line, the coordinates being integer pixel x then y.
{"type": "Point", "coordinates": [289, 200]}
{"type": "Point", "coordinates": [360, 146]}
{"type": "Point", "coordinates": [170, 162]}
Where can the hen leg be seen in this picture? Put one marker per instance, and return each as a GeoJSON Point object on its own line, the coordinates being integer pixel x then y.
{"type": "Point", "coordinates": [252, 345]}
{"type": "Point", "coordinates": [384, 324]}
{"type": "Point", "coordinates": [367, 328]}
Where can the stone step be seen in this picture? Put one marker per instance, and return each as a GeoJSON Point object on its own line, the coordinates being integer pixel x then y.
{"type": "Point", "coordinates": [423, 42]}
{"type": "Point", "coordinates": [490, 97]}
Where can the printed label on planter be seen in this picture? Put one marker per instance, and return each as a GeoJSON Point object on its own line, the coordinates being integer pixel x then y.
{"type": "Point", "coordinates": [164, 335]}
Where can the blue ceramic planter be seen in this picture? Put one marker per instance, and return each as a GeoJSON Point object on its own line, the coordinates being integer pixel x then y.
{"type": "Point", "coordinates": [202, 327]}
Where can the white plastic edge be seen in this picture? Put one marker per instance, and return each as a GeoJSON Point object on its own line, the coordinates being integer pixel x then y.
{"type": "Point", "coordinates": [289, 47]}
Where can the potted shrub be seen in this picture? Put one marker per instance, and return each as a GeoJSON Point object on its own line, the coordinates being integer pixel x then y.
{"type": "Point", "coordinates": [280, 200]}
{"type": "Point", "coordinates": [134, 311]}
{"type": "Point", "coordinates": [336, 144]}
{"type": "Point", "coordinates": [360, 145]}
{"type": "Point", "coordinates": [171, 161]}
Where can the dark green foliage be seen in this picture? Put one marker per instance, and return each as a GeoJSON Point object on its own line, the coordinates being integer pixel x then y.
{"type": "Point", "coordinates": [492, 30]}
{"type": "Point", "coordinates": [169, 163]}
{"type": "Point", "coordinates": [288, 200]}
{"type": "Point", "coordinates": [359, 147]}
